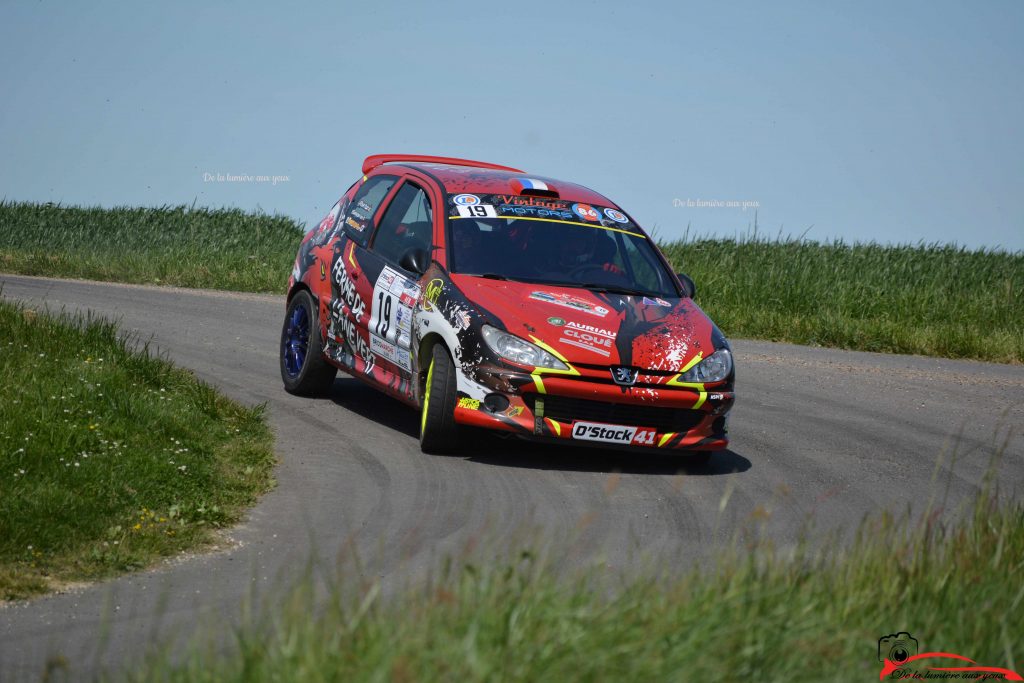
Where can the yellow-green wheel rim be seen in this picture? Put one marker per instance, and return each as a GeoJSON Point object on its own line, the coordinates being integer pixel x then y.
{"type": "Point", "coordinates": [426, 397]}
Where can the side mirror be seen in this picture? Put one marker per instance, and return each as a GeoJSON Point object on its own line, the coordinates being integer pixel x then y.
{"type": "Point", "coordinates": [415, 260]}
{"type": "Point", "coordinates": [689, 288]}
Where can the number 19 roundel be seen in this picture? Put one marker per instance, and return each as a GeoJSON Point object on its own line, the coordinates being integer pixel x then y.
{"type": "Point", "coordinates": [477, 211]}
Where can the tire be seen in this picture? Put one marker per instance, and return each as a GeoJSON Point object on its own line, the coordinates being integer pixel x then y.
{"type": "Point", "coordinates": [439, 434]}
{"type": "Point", "coordinates": [303, 368]}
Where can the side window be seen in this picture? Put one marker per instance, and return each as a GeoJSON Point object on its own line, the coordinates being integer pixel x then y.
{"type": "Point", "coordinates": [637, 258]}
{"type": "Point", "coordinates": [407, 224]}
{"type": "Point", "coordinates": [364, 204]}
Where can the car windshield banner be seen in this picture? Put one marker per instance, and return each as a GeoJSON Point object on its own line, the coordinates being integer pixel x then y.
{"type": "Point", "coordinates": [511, 206]}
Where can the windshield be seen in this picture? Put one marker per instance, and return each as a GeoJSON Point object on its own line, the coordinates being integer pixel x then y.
{"type": "Point", "coordinates": [533, 239]}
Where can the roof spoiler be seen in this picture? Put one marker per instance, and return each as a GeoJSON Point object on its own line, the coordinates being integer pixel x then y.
{"type": "Point", "coordinates": [375, 160]}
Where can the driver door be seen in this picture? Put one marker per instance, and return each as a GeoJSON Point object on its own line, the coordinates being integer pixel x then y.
{"type": "Point", "coordinates": [406, 225]}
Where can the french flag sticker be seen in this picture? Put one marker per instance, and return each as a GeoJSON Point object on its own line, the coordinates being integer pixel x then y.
{"type": "Point", "coordinates": [530, 184]}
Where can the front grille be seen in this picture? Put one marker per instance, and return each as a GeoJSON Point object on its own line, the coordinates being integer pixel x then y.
{"type": "Point", "coordinates": [566, 409]}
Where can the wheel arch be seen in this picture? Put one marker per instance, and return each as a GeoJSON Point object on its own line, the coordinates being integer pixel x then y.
{"type": "Point", "coordinates": [298, 287]}
{"type": "Point", "coordinates": [426, 348]}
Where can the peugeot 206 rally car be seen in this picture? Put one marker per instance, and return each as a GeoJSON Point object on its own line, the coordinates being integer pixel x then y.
{"type": "Point", "coordinates": [487, 296]}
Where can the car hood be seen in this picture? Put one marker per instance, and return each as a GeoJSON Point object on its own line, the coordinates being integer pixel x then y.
{"type": "Point", "coordinates": [596, 328]}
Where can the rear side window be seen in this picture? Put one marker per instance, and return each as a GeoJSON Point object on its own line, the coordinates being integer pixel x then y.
{"type": "Point", "coordinates": [364, 205]}
{"type": "Point", "coordinates": [407, 224]}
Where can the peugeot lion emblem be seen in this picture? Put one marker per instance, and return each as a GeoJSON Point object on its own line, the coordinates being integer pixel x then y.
{"type": "Point", "coordinates": [624, 375]}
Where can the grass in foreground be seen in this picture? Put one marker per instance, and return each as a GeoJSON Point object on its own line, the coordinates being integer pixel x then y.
{"type": "Point", "coordinates": [755, 614]}
{"type": "Point", "coordinates": [932, 300]}
{"type": "Point", "coordinates": [109, 457]}
{"type": "Point", "coordinates": [180, 246]}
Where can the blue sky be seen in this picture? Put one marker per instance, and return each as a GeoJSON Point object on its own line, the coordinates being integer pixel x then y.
{"type": "Point", "coordinates": [891, 122]}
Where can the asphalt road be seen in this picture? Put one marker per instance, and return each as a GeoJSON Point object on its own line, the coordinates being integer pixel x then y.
{"type": "Point", "coordinates": [818, 436]}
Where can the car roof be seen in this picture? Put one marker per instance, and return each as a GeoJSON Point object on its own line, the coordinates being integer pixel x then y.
{"type": "Point", "coordinates": [464, 175]}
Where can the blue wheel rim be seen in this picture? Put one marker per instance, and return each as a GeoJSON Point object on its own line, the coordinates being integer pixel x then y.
{"type": "Point", "coordinates": [296, 341]}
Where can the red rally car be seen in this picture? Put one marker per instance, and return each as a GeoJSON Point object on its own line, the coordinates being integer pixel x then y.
{"type": "Point", "coordinates": [486, 296]}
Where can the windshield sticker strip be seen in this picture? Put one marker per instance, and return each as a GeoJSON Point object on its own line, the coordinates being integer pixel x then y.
{"type": "Point", "coordinates": [554, 220]}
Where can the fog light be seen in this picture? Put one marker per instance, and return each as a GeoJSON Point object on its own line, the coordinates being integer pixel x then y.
{"type": "Point", "coordinates": [496, 403]}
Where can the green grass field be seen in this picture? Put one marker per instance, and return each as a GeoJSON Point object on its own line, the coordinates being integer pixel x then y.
{"type": "Point", "coordinates": [181, 246]}
{"type": "Point", "coordinates": [810, 613]}
{"type": "Point", "coordinates": [110, 457]}
{"type": "Point", "coordinates": [932, 300]}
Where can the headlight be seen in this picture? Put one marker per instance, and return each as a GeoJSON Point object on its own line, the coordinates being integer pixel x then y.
{"type": "Point", "coordinates": [520, 351]}
{"type": "Point", "coordinates": [714, 368]}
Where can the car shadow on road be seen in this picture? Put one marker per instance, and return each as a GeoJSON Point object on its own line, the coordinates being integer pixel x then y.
{"type": "Point", "coordinates": [486, 448]}
{"type": "Point", "coordinates": [356, 397]}
{"type": "Point", "coordinates": [490, 450]}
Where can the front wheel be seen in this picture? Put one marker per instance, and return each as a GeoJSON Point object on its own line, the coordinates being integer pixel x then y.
{"type": "Point", "coordinates": [438, 430]}
{"type": "Point", "coordinates": [303, 368]}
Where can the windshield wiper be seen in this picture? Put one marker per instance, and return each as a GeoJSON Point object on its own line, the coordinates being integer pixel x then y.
{"type": "Point", "coordinates": [615, 289]}
{"type": "Point", "coordinates": [489, 276]}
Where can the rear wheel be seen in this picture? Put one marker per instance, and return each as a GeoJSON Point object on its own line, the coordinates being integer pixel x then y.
{"type": "Point", "coordinates": [438, 430]}
{"type": "Point", "coordinates": [303, 368]}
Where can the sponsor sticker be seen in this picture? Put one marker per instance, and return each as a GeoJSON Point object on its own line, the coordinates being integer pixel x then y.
{"type": "Point", "coordinates": [391, 311]}
{"type": "Point", "coordinates": [403, 322]}
{"type": "Point", "coordinates": [536, 212]}
{"type": "Point", "coordinates": [388, 351]}
{"type": "Point", "coordinates": [387, 278]}
{"type": "Point", "coordinates": [601, 347]}
{"type": "Point", "coordinates": [470, 403]}
{"type": "Point", "coordinates": [432, 293]}
{"type": "Point", "coordinates": [584, 327]}
{"type": "Point", "coordinates": [609, 433]}
{"type": "Point", "coordinates": [354, 224]}
{"type": "Point", "coordinates": [586, 212]}
{"type": "Point", "coordinates": [461, 320]}
{"type": "Point", "coordinates": [404, 288]}
{"type": "Point", "coordinates": [616, 215]}
{"type": "Point", "coordinates": [557, 322]}
{"type": "Point", "coordinates": [648, 301]}
{"type": "Point", "coordinates": [512, 200]}
{"type": "Point", "coordinates": [570, 301]}
{"type": "Point", "coordinates": [588, 337]}
{"type": "Point", "coordinates": [466, 199]}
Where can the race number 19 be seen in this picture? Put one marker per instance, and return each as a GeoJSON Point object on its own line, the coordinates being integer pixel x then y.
{"type": "Point", "coordinates": [384, 319]}
{"type": "Point", "coordinates": [478, 211]}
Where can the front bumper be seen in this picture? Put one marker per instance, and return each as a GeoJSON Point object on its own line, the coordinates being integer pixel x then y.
{"type": "Point", "coordinates": [590, 413]}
